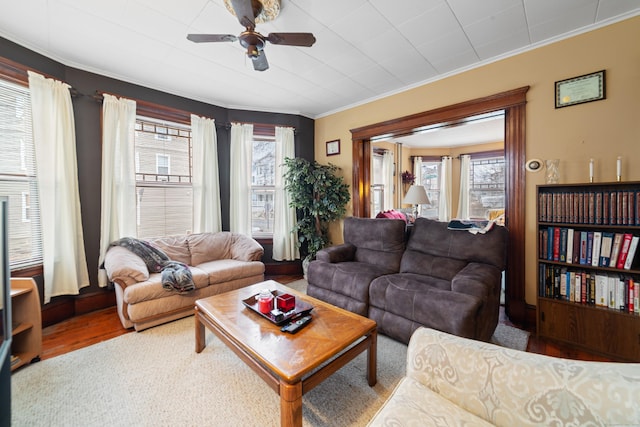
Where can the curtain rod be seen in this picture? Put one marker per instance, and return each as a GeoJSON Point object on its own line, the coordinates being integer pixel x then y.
{"type": "Point", "coordinates": [260, 125]}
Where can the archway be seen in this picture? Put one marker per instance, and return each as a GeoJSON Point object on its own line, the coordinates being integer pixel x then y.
{"type": "Point", "coordinates": [513, 103]}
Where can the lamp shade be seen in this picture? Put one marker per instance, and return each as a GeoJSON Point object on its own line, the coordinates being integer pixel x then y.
{"type": "Point", "coordinates": [416, 195]}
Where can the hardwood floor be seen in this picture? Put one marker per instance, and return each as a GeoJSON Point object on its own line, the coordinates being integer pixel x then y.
{"type": "Point", "coordinates": [91, 328]}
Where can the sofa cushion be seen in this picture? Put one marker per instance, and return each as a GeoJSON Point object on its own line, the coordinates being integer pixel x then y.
{"type": "Point", "coordinates": [377, 241]}
{"type": "Point", "coordinates": [124, 265]}
{"type": "Point", "coordinates": [245, 248]}
{"type": "Point", "coordinates": [351, 279]}
{"type": "Point", "coordinates": [209, 246]}
{"type": "Point", "coordinates": [152, 288]}
{"type": "Point", "coordinates": [424, 300]}
{"type": "Point", "coordinates": [225, 270]}
{"type": "Point", "coordinates": [435, 239]}
{"type": "Point", "coordinates": [417, 262]}
{"type": "Point", "coordinates": [414, 404]}
{"type": "Point", "coordinates": [175, 247]}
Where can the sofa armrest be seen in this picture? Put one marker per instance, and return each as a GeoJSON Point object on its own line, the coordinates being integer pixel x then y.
{"type": "Point", "coordinates": [124, 267]}
{"type": "Point", "coordinates": [245, 248]}
{"type": "Point", "coordinates": [477, 279]}
{"type": "Point", "coordinates": [339, 253]}
{"type": "Point", "coordinates": [508, 387]}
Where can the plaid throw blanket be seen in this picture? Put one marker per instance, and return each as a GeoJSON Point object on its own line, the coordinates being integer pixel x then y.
{"type": "Point", "coordinates": [176, 276]}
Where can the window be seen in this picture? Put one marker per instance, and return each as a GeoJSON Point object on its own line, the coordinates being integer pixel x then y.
{"type": "Point", "coordinates": [18, 176]}
{"type": "Point", "coordinates": [162, 164]}
{"type": "Point", "coordinates": [486, 186]}
{"type": "Point", "coordinates": [431, 182]}
{"type": "Point", "coordinates": [377, 185]}
{"type": "Point", "coordinates": [163, 178]}
{"type": "Point", "coordinates": [263, 184]}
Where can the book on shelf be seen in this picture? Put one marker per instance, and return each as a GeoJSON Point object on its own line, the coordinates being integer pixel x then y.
{"type": "Point", "coordinates": [629, 285]}
{"type": "Point", "coordinates": [612, 291]}
{"type": "Point", "coordinates": [589, 247]}
{"type": "Point", "coordinates": [613, 217]}
{"type": "Point", "coordinates": [621, 295]}
{"type": "Point", "coordinates": [601, 290]}
{"type": "Point", "coordinates": [551, 233]}
{"type": "Point", "coordinates": [624, 250]}
{"type": "Point", "coordinates": [633, 246]}
{"type": "Point", "coordinates": [615, 249]}
{"type": "Point", "coordinates": [569, 254]}
{"type": "Point", "coordinates": [636, 297]}
{"type": "Point", "coordinates": [595, 253]}
{"type": "Point", "coordinates": [605, 248]}
{"type": "Point", "coordinates": [556, 244]}
{"type": "Point", "coordinates": [607, 207]}
{"type": "Point", "coordinates": [564, 233]}
{"type": "Point", "coordinates": [583, 248]}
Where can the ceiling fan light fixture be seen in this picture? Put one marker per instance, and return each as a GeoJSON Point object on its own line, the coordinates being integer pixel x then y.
{"type": "Point", "coordinates": [270, 10]}
{"type": "Point", "coordinates": [253, 51]}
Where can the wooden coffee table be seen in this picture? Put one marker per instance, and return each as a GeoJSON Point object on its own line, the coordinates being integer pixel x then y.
{"type": "Point", "coordinates": [291, 364]}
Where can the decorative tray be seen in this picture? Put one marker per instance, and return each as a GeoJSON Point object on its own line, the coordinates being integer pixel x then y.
{"type": "Point", "coordinates": [302, 308]}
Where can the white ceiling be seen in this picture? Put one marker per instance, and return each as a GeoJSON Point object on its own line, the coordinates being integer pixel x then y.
{"type": "Point", "coordinates": [474, 130]}
{"type": "Point", "coordinates": [365, 49]}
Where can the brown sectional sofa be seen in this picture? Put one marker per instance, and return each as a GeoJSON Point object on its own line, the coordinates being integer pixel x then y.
{"type": "Point", "coordinates": [440, 278]}
{"type": "Point", "coordinates": [218, 262]}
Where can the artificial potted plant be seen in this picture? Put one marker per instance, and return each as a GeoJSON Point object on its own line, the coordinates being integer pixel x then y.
{"type": "Point", "coordinates": [319, 196]}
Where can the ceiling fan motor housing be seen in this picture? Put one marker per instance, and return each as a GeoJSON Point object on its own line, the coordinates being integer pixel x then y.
{"type": "Point", "coordinates": [253, 42]}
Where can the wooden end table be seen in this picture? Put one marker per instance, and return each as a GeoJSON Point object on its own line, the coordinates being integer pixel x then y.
{"type": "Point", "coordinates": [291, 364]}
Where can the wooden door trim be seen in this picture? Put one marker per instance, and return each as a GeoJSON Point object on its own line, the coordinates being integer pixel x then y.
{"type": "Point", "coordinates": [513, 103]}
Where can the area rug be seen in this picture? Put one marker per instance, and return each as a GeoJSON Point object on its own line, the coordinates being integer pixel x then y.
{"type": "Point", "coordinates": [155, 378]}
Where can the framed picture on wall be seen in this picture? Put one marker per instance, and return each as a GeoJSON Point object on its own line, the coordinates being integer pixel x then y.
{"type": "Point", "coordinates": [581, 89]}
{"type": "Point", "coordinates": [333, 147]}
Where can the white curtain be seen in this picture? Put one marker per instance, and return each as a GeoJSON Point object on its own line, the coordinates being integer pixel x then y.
{"type": "Point", "coordinates": [444, 206]}
{"type": "Point", "coordinates": [240, 199]}
{"type": "Point", "coordinates": [118, 215]}
{"type": "Point", "coordinates": [417, 173]}
{"type": "Point", "coordinates": [284, 241]}
{"type": "Point", "coordinates": [387, 176]}
{"type": "Point", "coordinates": [206, 181]}
{"type": "Point", "coordinates": [463, 201]}
{"type": "Point", "coordinates": [64, 259]}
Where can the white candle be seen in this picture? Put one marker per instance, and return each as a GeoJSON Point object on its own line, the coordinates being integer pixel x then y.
{"type": "Point", "coordinates": [591, 169]}
{"type": "Point", "coordinates": [619, 166]}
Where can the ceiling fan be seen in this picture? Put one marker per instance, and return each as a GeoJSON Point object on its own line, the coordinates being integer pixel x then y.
{"type": "Point", "coordinates": [246, 11]}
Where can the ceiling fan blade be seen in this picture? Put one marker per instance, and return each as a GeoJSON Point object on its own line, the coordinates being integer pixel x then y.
{"type": "Point", "coordinates": [292, 39]}
{"type": "Point", "coordinates": [260, 62]}
{"type": "Point", "coordinates": [207, 38]}
{"type": "Point", "coordinates": [246, 11]}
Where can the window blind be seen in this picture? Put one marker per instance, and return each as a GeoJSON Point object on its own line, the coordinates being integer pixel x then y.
{"type": "Point", "coordinates": [18, 179]}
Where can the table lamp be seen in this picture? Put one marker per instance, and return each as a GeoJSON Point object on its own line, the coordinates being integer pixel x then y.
{"type": "Point", "coordinates": [416, 195]}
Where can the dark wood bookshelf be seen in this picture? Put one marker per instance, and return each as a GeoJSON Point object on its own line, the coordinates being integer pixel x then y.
{"type": "Point", "coordinates": [612, 332]}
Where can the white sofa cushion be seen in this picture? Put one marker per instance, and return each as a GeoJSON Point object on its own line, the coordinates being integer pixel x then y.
{"type": "Point", "coordinates": [414, 404]}
{"type": "Point", "coordinates": [507, 388]}
{"type": "Point", "coordinates": [123, 265]}
{"type": "Point", "coordinates": [210, 246]}
{"type": "Point", "coordinates": [175, 247]}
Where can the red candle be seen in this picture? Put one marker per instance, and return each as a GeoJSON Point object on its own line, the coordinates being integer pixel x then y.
{"type": "Point", "coordinates": [265, 302]}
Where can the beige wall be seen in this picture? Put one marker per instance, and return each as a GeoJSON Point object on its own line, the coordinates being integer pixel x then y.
{"type": "Point", "coordinates": [602, 130]}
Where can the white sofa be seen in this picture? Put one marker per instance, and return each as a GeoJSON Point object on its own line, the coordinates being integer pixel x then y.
{"type": "Point", "coordinates": [218, 262]}
{"type": "Point", "coordinates": [454, 381]}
